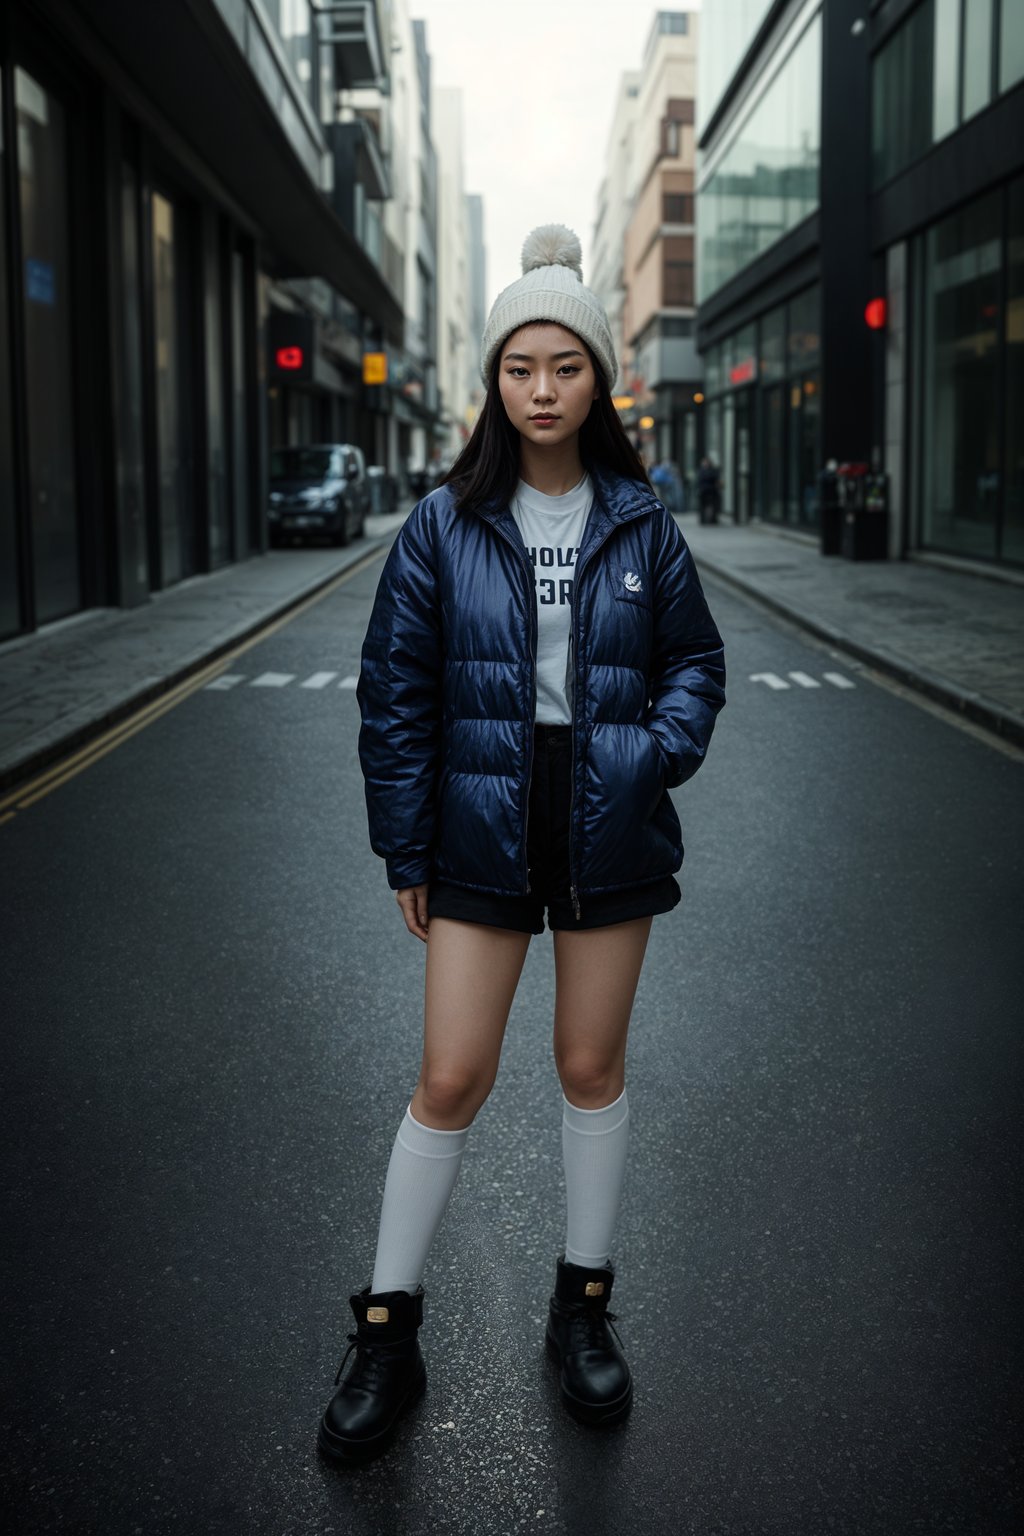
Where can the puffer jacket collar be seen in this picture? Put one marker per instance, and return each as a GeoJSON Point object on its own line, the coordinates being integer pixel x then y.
{"type": "Point", "coordinates": [616, 500]}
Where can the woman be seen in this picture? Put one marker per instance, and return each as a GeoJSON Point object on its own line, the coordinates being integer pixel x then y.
{"type": "Point", "coordinates": [540, 668]}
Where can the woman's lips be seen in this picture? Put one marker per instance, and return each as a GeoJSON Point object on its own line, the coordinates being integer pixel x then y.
{"type": "Point", "coordinates": [543, 421]}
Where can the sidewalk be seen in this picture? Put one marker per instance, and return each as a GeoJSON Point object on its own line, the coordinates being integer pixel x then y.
{"type": "Point", "coordinates": [957, 637]}
{"type": "Point", "coordinates": [65, 685]}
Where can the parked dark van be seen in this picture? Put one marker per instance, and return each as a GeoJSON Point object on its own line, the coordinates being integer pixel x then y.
{"type": "Point", "coordinates": [318, 489]}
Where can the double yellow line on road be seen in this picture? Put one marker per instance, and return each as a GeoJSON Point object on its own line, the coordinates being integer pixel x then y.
{"type": "Point", "coordinates": [44, 783]}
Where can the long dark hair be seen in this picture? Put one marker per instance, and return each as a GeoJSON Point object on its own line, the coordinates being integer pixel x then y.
{"type": "Point", "coordinates": [487, 469]}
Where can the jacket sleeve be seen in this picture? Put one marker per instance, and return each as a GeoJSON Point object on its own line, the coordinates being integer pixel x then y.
{"type": "Point", "coordinates": [688, 668]}
{"type": "Point", "coordinates": [399, 694]}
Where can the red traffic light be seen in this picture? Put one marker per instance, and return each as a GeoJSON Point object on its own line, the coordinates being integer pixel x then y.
{"type": "Point", "coordinates": [289, 359]}
{"type": "Point", "coordinates": [874, 314]}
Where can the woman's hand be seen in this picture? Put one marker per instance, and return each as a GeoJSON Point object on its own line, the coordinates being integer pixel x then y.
{"type": "Point", "coordinates": [413, 902]}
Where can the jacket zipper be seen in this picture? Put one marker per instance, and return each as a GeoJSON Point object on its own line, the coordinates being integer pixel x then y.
{"type": "Point", "coordinates": [574, 894]}
{"type": "Point", "coordinates": [531, 609]}
{"type": "Point", "coordinates": [572, 755]}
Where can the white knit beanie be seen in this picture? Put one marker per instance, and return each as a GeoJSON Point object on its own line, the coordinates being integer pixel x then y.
{"type": "Point", "coordinates": [551, 288]}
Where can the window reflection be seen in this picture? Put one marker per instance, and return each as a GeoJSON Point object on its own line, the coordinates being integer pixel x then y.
{"type": "Point", "coordinates": [959, 282]}
{"type": "Point", "coordinates": [10, 608]}
{"type": "Point", "coordinates": [1013, 520]}
{"type": "Point", "coordinates": [767, 180]}
{"type": "Point", "coordinates": [43, 185]}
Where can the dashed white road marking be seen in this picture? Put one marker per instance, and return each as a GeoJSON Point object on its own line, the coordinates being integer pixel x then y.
{"type": "Point", "coordinates": [838, 680]}
{"type": "Point", "coordinates": [771, 678]}
{"type": "Point", "coordinates": [804, 680]}
{"type": "Point", "coordinates": [318, 680]}
{"type": "Point", "coordinates": [272, 680]}
{"type": "Point", "coordinates": [348, 682]}
{"type": "Point", "coordinates": [227, 680]}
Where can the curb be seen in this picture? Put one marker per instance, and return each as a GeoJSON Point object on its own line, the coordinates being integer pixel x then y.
{"type": "Point", "coordinates": [973, 706]}
{"type": "Point", "coordinates": [15, 773]}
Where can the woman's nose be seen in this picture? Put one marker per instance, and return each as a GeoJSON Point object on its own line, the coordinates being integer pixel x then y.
{"type": "Point", "coordinates": [544, 388]}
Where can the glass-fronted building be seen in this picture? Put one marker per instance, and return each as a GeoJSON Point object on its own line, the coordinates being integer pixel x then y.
{"type": "Point", "coordinates": [947, 180]}
{"type": "Point", "coordinates": [851, 154]}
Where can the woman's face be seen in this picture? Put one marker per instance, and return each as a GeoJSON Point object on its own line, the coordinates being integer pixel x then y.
{"type": "Point", "coordinates": [547, 382]}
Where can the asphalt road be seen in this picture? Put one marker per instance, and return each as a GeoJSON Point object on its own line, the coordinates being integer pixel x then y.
{"type": "Point", "coordinates": [213, 1026]}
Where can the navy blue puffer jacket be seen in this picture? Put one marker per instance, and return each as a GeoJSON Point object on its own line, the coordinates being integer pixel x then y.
{"type": "Point", "coordinates": [447, 694]}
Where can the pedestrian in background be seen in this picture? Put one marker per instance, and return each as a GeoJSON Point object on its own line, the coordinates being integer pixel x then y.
{"type": "Point", "coordinates": [708, 491]}
{"type": "Point", "coordinates": [667, 481]}
{"type": "Point", "coordinates": [539, 670]}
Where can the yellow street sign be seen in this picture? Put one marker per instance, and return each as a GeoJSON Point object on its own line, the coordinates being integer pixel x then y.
{"type": "Point", "coordinates": [375, 367]}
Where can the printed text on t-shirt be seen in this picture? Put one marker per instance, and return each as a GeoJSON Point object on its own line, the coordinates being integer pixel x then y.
{"type": "Point", "coordinates": [548, 589]}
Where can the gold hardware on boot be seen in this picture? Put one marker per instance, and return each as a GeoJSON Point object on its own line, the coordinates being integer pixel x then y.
{"type": "Point", "coordinates": [594, 1288]}
{"type": "Point", "coordinates": [377, 1314]}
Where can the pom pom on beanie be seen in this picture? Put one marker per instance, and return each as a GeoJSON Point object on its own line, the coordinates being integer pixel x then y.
{"type": "Point", "coordinates": [552, 245]}
{"type": "Point", "coordinates": [551, 288]}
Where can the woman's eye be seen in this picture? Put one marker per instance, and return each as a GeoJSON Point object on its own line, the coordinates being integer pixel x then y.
{"type": "Point", "coordinates": [569, 368]}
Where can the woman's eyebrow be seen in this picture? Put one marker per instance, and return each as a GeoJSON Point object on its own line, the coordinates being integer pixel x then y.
{"type": "Point", "coordinates": [527, 357]}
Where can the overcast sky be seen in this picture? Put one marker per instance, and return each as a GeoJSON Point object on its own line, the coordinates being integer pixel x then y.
{"type": "Point", "coordinates": [538, 82]}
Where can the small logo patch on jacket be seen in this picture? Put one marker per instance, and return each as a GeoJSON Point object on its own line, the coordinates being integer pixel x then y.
{"type": "Point", "coordinates": [632, 583]}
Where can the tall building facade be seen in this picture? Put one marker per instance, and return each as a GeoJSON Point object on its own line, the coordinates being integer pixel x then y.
{"type": "Point", "coordinates": [661, 364]}
{"type": "Point", "coordinates": [643, 243]}
{"type": "Point", "coordinates": [614, 204]}
{"type": "Point", "coordinates": [477, 300]}
{"type": "Point", "coordinates": [859, 261]}
{"type": "Point", "coordinates": [209, 215]}
{"type": "Point", "coordinates": [454, 343]}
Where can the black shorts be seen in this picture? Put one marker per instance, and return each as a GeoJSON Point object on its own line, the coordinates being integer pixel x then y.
{"type": "Point", "coordinates": [547, 857]}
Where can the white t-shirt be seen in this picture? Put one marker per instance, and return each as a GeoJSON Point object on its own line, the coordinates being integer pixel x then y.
{"type": "Point", "coordinates": [552, 529]}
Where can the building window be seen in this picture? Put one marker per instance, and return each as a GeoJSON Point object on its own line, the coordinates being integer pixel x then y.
{"type": "Point", "coordinates": [765, 181]}
{"type": "Point", "coordinates": [902, 96]}
{"type": "Point", "coordinates": [677, 208]}
{"type": "Point", "coordinates": [772, 346]}
{"type": "Point", "coordinates": [1012, 547]}
{"type": "Point", "coordinates": [945, 73]}
{"type": "Point", "coordinates": [977, 56]}
{"type": "Point", "coordinates": [936, 71]}
{"type": "Point", "coordinates": [49, 407]}
{"type": "Point", "coordinates": [1011, 44]}
{"type": "Point", "coordinates": [959, 328]}
{"type": "Point", "coordinates": [677, 282]}
{"type": "Point", "coordinates": [10, 607]}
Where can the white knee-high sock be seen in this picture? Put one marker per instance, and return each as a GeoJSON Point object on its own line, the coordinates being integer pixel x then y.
{"type": "Point", "coordinates": [424, 1165]}
{"type": "Point", "coordinates": [594, 1148]}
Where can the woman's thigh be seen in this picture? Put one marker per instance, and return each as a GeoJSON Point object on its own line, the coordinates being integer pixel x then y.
{"type": "Point", "coordinates": [471, 976]}
{"type": "Point", "coordinates": [596, 976]}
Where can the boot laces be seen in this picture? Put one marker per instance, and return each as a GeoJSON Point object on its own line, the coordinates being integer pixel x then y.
{"type": "Point", "coordinates": [588, 1326]}
{"type": "Point", "coordinates": [371, 1358]}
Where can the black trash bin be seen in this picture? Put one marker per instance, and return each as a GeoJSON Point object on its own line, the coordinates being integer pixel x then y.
{"type": "Point", "coordinates": [829, 509]}
{"type": "Point", "coordinates": [864, 503]}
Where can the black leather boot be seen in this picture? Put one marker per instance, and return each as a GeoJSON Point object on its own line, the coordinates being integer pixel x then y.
{"type": "Point", "coordinates": [388, 1375]}
{"type": "Point", "coordinates": [597, 1387]}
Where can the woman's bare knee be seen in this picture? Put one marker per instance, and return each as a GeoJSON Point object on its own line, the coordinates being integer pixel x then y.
{"type": "Point", "coordinates": [590, 1081]}
{"type": "Point", "coordinates": [449, 1099]}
